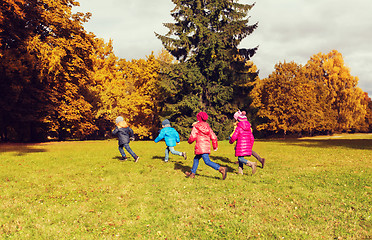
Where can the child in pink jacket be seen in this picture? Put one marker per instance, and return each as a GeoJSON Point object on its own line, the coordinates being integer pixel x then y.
{"type": "Point", "coordinates": [254, 154]}
{"type": "Point", "coordinates": [244, 142]}
{"type": "Point", "coordinates": [203, 134]}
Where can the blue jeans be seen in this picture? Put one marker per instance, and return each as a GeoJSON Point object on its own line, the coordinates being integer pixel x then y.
{"type": "Point", "coordinates": [170, 149]}
{"type": "Point", "coordinates": [207, 161]}
{"type": "Point", "coordinates": [129, 150]}
{"type": "Point", "coordinates": [243, 161]}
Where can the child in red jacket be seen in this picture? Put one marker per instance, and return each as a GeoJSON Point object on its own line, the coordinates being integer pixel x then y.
{"type": "Point", "coordinates": [203, 134]}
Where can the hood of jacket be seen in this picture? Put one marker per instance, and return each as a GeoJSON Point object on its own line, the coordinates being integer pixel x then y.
{"type": "Point", "coordinates": [203, 127]}
{"type": "Point", "coordinates": [245, 125]}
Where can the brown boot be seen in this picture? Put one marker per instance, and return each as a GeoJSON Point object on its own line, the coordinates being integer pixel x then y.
{"type": "Point", "coordinates": [223, 171]}
{"type": "Point", "coordinates": [254, 166]}
{"type": "Point", "coordinates": [190, 174]}
{"type": "Point", "coordinates": [262, 162]}
{"type": "Point", "coordinates": [240, 171]}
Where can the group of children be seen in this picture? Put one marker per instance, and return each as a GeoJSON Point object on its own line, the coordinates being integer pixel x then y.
{"type": "Point", "coordinates": [202, 134]}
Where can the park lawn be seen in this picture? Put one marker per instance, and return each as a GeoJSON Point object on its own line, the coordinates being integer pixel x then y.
{"type": "Point", "coordinates": [311, 188]}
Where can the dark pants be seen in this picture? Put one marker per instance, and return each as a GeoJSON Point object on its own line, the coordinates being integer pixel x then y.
{"type": "Point", "coordinates": [129, 150]}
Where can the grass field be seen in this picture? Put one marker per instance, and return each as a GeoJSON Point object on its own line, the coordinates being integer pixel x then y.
{"type": "Point", "coordinates": [314, 188]}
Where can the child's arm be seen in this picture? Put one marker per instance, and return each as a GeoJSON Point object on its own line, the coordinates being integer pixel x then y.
{"type": "Point", "coordinates": [214, 141]}
{"type": "Point", "coordinates": [234, 136]}
{"type": "Point", "coordinates": [115, 131]}
{"type": "Point", "coordinates": [160, 137]}
{"type": "Point", "coordinates": [235, 125]}
{"type": "Point", "coordinates": [192, 137]}
{"type": "Point", "coordinates": [131, 134]}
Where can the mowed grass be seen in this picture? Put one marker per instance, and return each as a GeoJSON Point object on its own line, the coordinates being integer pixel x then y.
{"type": "Point", "coordinates": [316, 188]}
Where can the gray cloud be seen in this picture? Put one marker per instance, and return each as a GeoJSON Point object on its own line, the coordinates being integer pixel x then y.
{"type": "Point", "coordinates": [289, 30]}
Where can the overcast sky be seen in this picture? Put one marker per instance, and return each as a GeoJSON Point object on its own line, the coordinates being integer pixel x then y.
{"type": "Point", "coordinates": [288, 30]}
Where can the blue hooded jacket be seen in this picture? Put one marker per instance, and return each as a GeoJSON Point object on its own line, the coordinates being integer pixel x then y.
{"type": "Point", "coordinates": [170, 135]}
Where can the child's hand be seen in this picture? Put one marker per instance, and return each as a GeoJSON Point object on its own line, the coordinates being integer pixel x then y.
{"type": "Point", "coordinates": [216, 149]}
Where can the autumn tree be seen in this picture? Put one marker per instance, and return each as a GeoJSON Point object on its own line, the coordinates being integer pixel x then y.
{"type": "Point", "coordinates": [45, 65]}
{"type": "Point", "coordinates": [365, 125]}
{"type": "Point", "coordinates": [337, 90]}
{"type": "Point", "coordinates": [286, 100]}
{"type": "Point", "coordinates": [212, 70]}
{"type": "Point", "coordinates": [21, 97]}
{"type": "Point", "coordinates": [320, 97]}
{"type": "Point", "coordinates": [132, 92]}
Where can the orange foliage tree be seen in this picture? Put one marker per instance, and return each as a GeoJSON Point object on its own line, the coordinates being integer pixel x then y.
{"type": "Point", "coordinates": [321, 96]}
{"type": "Point", "coordinates": [337, 90]}
{"type": "Point", "coordinates": [44, 69]}
{"type": "Point", "coordinates": [285, 100]}
{"type": "Point", "coordinates": [132, 91]}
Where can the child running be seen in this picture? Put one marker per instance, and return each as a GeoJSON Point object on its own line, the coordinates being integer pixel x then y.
{"type": "Point", "coordinates": [244, 138]}
{"type": "Point", "coordinates": [125, 135]}
{"type": "Point", "coordinates": [203, 134]}
{"type": "Point", "coordinates": [171, 137]}
{"type": "Point", "coordinates": [254, 154]}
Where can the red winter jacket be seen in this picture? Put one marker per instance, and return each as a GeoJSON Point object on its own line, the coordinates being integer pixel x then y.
{"type": "Point", "coordinates": [202, 134]}
{"type": "Point", "coordinates": [244, 139]}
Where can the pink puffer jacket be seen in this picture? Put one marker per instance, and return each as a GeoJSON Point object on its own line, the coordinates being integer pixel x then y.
{"type": "Point", "coordinates": [244, 139]}
{"type": "Point", "coordinates": [203, 134]}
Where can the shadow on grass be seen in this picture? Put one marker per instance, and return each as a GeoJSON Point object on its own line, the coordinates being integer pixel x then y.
{"type": "Point", "coordinates": [119, 158]}
{"type": "Point", "coordinates": [20, 149]}
{"type": "Point", "coordinates": [222, 159]}
{"type": "Point", "coordinates": [361, 144]}
{"type": "Point", "coordinates": [180, 166]}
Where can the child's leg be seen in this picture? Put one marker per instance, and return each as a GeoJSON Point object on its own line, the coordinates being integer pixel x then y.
{"type": "Point", "coordinates": [166, 158]}
{"type": "Point", "coordinates": [174, 152]}
{"type": "Point", "coordinates": [242, 161]}
{"type": "Point", "coordinates": [130, 151]}
{"type": "Point", "coordinates": [196, 163]}
{"type": "Point", "coordinates": [222, 170]}
{"type": "Point", "coordinates": [248, 163]}
{"type": "Point", "coordinates": [261, 160]}
{"type": "Point", "coordinates": [121, 150]}
{"type": "Point", "coordinates": [208, 162]}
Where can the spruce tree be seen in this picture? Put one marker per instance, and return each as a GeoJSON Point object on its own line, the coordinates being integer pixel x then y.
{"type": "Point", "coordinates": [212, 74]}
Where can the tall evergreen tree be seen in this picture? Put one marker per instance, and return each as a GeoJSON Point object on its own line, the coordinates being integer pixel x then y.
{"type": "Point", "coordinates": [212, 72]}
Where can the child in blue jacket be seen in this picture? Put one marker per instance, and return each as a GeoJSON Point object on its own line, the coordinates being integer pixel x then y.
{"type": "Point", "coordinates": [171, 137]}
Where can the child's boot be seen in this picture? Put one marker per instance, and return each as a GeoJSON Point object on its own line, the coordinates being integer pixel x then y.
{"type": "Point", "coordinates": [190, 174]}
{"type": "Point", "coordinates": [253, 165]}
{"type": "Point", "coordinates": [223, 171]}
{"type": "Point", "coordinates": [262, 161]}
{"type": "Point", "coordinates": [240, 171]}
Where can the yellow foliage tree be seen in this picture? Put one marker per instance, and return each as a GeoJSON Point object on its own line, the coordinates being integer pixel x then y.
{"type": "Point", "coordinates": [285, 100]}
{"type": "Point", "coordinates": [337, 90]}
{"type": "Point", "coordinates": [134, 94]}
{"type": "Point", "coordinates": [44, 69]}
{"type": "Point", "coordinates": [321, 96]}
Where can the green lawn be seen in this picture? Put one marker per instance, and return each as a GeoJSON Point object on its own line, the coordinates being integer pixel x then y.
{"type": "Point", "coordinates": [315, 188]}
